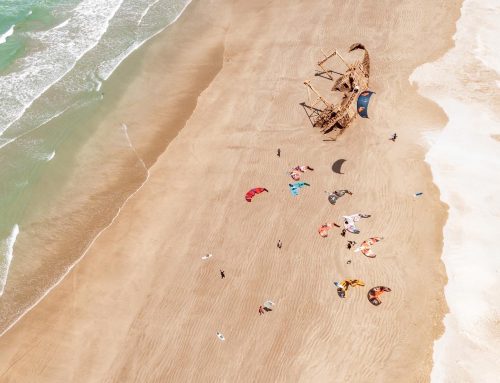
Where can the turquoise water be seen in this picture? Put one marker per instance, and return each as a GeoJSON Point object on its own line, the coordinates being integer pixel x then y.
{"type": "Point", "coordinates": [23, 16]}
{"type": "Point", "coordinates": [55, 61]}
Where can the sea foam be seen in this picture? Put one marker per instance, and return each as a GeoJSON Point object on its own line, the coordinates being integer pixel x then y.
{"type": "Point", "coordinates": [6, 254]}
{"type": "Point", "coordinates": [465, 163]}
{"type": "Point", "coordinates": [63, 46]}
{"type": "Point", "coordinates": [3, 37]}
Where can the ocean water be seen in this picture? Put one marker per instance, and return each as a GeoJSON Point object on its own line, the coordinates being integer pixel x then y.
{"type": "Point", "coordinates": [465, 163]}
{"type": "Point", "coordinates": [56, 57]}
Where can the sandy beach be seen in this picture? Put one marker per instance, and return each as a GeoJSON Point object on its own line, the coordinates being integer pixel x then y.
{"type": "Point", "coordinates": [218, 92]}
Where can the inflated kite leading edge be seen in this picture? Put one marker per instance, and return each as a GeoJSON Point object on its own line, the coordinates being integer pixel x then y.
{"type": "Point", "coordinates": [252, 192]}
{"type": "Point", "coordinates": [375, 293]}
{"type": "Point", "coordinates": [363, 100]}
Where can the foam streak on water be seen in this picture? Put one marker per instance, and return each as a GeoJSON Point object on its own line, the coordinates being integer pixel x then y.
{"type": "Point", "coordinates": [61, 48]}
{"type": "Point", "coordinates": [107, 67]}
{"type": "Point", "coordinates": [465, 163]}
{"type": "Point", "coordinates": [6, 254]}
{"type": "Point", "coordinates": [3, 37]}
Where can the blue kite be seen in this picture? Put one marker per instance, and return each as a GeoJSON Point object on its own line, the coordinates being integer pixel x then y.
{"type": "Point", "coordinates": [363, 100]}
{"type": "Point", "coordinates": [294, 188]}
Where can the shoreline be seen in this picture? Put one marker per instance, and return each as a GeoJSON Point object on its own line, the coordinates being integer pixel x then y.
{"type": "Point", "coordinates": [460, 82]}
{"type": "Point", "coordinates": [121, 91]}
{"type": "Point", "coordinates": [239, 145]}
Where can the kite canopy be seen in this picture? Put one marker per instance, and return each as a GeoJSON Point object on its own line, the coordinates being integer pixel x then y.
{"type": "Point", "coordinates": [294, 188]}
{"type": "Point", "coordinates": [252, 192]}
{"type": "Point", "coordinates": [333, 197]}
{"type": "Point", "coordinates": [268, 305]}
{"type": "Point", "coordinates": [350, 219]}
{"type": "Point", "coordinates": [323, 230]}
{"type": "Point", "coordinates": [343, 286]}
{"type": "Point", "coordinates": [363, 100]}
{"type": "Point", "coordinates": [365, 247]}
{"type": "Point", "coordinates": [375, 293]}
{"type": "Point", "coordinates": [295, 173]}
{"type": "Point", "coordinates": [337, 166]}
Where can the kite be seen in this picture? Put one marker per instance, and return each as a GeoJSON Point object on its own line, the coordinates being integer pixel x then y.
{"type": "Point", "coordinates": [363, 100]}
{"type": "Point", "coordinates": [350, 219]}
{"type": "Point", "coordinates": [365, 247]}
{"type": "Point", "coordinates": [337, 166]}
{"type": "Point", "coordinates": [333, 197]}
{"type": "Point", "coordinates": [295, 173]}
{"type": "Point", "coordinates": [206, 256]}
{"type": "Point", "coordinates": [375, 293]}
{"type": "Point", "coordinates": [252, 192]}
{"type": "Point", "coordinates": [294, 188]}
{"type": "Point", "coordinates": [323, 230]}
{"type": "Point", "coordinates": [343, 286]}
{"type": "Point", "coordinates": [268, 305]}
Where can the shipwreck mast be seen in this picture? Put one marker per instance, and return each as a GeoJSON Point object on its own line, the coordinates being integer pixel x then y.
{"type": "Point", "coordinates": [326, 115]}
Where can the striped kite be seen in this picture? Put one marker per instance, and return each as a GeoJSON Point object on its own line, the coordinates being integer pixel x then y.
{"type": "Point", "coordinates": [365, 247]}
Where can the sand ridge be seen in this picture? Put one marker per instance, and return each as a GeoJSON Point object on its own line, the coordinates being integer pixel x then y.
{"type": "Point", "coordinates": [142, 306]}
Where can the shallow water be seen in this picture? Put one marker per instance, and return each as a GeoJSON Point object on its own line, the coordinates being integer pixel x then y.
{"type": "Point", "coordinates": [62, 178]}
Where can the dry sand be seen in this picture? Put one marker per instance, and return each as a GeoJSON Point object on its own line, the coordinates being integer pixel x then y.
{"type": "Point", "coordinates": [143, 307]}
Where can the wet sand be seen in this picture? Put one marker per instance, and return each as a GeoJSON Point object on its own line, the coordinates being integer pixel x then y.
{"type": "Point", "coordinates": [142, 305]}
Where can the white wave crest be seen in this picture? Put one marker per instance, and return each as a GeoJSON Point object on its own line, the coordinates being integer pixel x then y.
{"type": "Point", "coordinates": [6, 254]}
{"type": "Point", "coordinates": [465, 165]}
{"type": "Point", "coordinates": [10, 32]}
{"type": "Point", "coordinates": [62, 47]}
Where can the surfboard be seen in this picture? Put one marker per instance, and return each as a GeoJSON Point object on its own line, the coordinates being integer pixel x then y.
{"type": "Point", "coordinates": [220, 336]}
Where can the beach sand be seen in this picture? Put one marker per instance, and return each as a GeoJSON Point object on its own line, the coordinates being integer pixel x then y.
{"type": "Point", "coordinates": [143, 307]}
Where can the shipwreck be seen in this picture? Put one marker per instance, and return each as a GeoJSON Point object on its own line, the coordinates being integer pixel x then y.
{"type": "Point", "coordinates": [348, 95]}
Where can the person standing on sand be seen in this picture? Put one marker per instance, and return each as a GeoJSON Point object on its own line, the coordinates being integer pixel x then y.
{"type": "Point", "coordinates": [393, 138]}
{"type": "Point", "coordinates": [261, 310]}
{"type": "Point", "coordinates": [222, 274]}
{"type": "Point", "coordinates": [342, 233]}
{"type": "Point", "coordinates": [350, 244]}
{"type": "Point", "coordinates": [279, 244]}
{"type": "Point", "coordinates": [279, 152]}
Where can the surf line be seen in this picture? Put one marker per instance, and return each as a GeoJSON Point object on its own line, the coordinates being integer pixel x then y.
{"type": "Point", "coordinates": [63, 276]}
{"type": "Point", "coordinates": [10, 32]}
{"type": "Point", "coordinates": [9, 253]}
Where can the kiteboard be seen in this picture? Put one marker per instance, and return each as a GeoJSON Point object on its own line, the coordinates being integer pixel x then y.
{"type": "Point", "coordinates": [220, 336]}
{"type": "Point", "coordinates": [206, 256]}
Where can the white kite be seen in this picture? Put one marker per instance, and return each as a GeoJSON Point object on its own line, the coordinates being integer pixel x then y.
{"type": "Point", "coordinates": [350, 219]}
